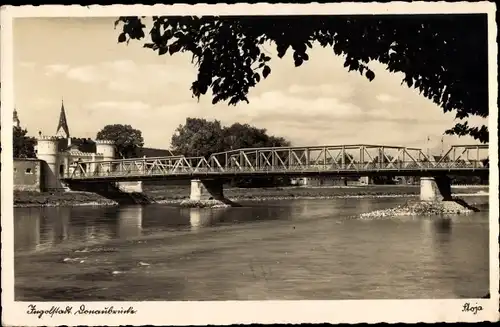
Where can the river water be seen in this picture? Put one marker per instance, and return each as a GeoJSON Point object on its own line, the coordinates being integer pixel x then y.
{"type": "Point", "coordinates": [273, 250]}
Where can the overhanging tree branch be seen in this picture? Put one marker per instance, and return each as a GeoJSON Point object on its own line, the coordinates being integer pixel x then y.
{"type": "Point", "coordinates": [442, 56]}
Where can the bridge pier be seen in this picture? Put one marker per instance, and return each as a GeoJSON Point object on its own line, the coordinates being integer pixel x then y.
{"type": "Point", "coordinates": [206, 190]}
{"type": "Point", "coordinates": [207, 193]}
{"type": "Point", "coordinates": [436, 188]}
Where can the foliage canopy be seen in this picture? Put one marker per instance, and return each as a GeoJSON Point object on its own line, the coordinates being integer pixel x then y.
{"type": "Point", "coordinates": [23, 145]}
{"type": "Point", "coordinates": [200, 137]}
{"type": "Point", "coordinates": [442, 56]}
{"type": "Point", "coordinates": [127, 139]}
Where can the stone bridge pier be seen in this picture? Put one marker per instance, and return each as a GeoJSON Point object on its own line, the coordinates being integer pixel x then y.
{"type": "Point", "coordinates": [437, 188]}
{"type": "Point", "coordinates": [208, 190]}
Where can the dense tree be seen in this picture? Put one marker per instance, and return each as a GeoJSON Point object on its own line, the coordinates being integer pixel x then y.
{"type": "Point", "coordinates": [240, 136]}
{"type": "Point", "coordinates": [23, 145]}
{"type": "Point", "coordinates": [442, 56]}
{"type": "Point", "coordinates": [127, 139]}
{"type": "Point", "coordinates": [84, 144]}
{"type": "Point", "coordinates": [198, 138]}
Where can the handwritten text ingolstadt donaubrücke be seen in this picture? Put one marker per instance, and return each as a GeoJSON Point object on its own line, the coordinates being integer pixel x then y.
{"type": "Point", "coordinates": [81, 310]}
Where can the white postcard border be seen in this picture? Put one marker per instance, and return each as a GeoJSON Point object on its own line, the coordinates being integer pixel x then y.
{"type": "Point", "coordinates": [239, 312]}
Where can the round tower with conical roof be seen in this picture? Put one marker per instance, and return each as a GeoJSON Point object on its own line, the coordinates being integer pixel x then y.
{"type": "Point", "coordinates": [48, 152]}
{"type": "Point", "coordinates": [106, 148]}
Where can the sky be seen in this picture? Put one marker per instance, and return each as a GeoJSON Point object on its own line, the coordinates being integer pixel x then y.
{"type": "Point", "coordinates": [103, 82]}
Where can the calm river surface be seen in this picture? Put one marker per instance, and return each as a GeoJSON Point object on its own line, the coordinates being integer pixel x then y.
{"type": "Point", "coordinates": [282, 250]}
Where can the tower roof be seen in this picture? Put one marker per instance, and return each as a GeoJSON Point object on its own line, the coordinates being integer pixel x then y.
{"type": "Point", "coordinates": [62, 126]}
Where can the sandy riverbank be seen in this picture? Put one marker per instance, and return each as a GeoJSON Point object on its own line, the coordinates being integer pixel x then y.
{"type": "Point", "coordinates": [179, 194]}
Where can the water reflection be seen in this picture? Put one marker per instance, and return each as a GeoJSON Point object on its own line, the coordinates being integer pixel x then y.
{"type": "Point", "coordinates": [129, 221]}
{"type": "Point", "coordinates": [40, 228]}
{"type": "Point", "coordinates": [443, 229]}
{"type": "Point", "coordinates": [61, 224]}
{"type": "Point", "coordinates": [199, 218]}
{"type": "Point", "coordinates": [27, 230]}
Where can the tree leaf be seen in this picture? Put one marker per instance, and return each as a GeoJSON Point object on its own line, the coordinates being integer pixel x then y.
{"type": "Point", "coordinates": [162, 50]}
{"type": "Point", "coordinates": [370, 75]}
{"type": "Point", "coordinates": [257, 77]}
{"type": "Point", "coordinates": [174, 47]}
{"type": "Point", "coordinates": [266, 71]}
{"type": "Point", "coordinates": [298, 62]}
{"type": "Point", "coordinates": [122, 38]}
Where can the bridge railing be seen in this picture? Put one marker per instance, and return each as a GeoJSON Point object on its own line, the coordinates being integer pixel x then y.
{"type": "Point", "coordinates": [290, 160]}
{"type": "Point", "coordinates": [151, 168]}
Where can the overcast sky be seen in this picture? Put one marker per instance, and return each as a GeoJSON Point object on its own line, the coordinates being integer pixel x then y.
{"type": "Point", "coordinates": [103, 82]}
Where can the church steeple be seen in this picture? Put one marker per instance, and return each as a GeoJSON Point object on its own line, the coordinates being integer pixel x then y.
{"type": "Point", "coordinates": [62, 126]}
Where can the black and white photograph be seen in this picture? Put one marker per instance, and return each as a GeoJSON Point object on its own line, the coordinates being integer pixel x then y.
{"type": "Point", "coordinates": [224, 164]}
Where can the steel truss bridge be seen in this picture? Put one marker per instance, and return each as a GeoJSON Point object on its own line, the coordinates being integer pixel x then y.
{"type": "Point", "coordinates": [339, 160]}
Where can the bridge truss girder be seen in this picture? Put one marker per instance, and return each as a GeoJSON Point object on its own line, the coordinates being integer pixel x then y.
{"type": "Point", "coordinates": [290, 160]}
{"type": "Point", "coordinates": [343, 157]}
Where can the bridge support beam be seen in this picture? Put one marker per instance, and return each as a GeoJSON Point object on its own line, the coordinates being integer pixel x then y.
{"type": "Point", "coordinates": [435, 189]}
{"type": "Point", "coordinates": [438, 190]}
{"type": "Point", "coordinates": [206, 190]}
{"type": "Point", "coordinates": [207, 193]}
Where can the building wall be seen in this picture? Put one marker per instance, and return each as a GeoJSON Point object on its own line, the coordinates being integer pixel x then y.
{"type": "Point", "coordinates": [28, 175]}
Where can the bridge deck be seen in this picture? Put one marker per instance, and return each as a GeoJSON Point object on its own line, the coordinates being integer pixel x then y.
{"type": "Point", "coordinates": [339, 160]}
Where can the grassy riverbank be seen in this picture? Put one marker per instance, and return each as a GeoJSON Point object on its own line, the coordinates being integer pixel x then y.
{"type": "Point", "coordinates": [49, 199]}
{"type": "Point", "coordinates": [179, 193]}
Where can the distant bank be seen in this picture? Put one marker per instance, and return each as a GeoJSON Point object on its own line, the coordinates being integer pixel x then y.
{"type": "Point", "coordinates": [176, 194]}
